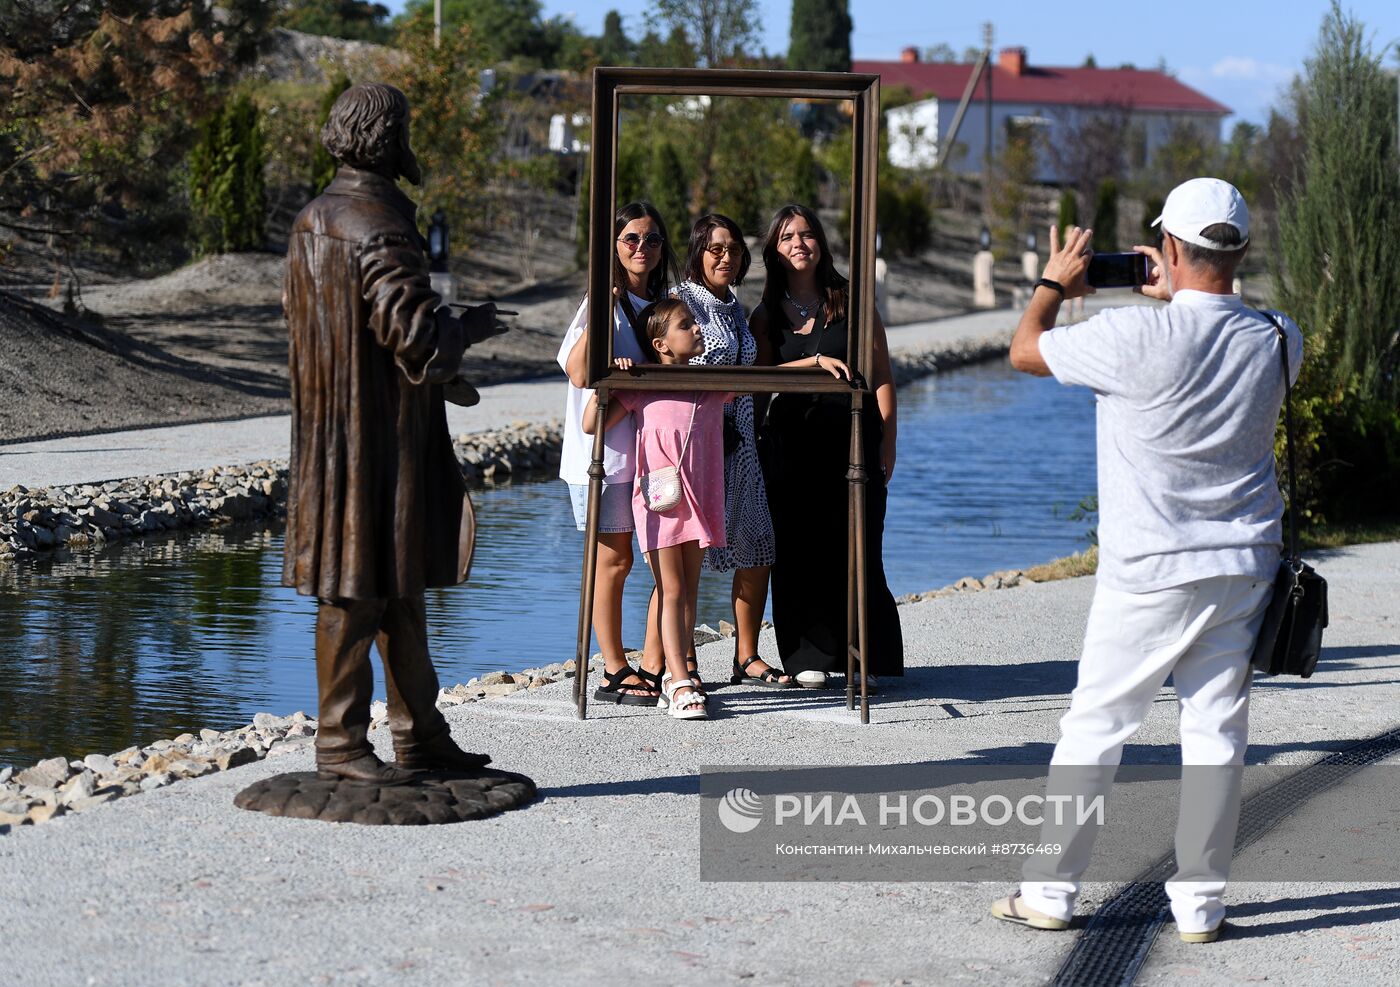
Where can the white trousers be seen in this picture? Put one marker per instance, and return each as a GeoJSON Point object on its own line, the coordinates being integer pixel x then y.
{"type": "Point", "coordinates": [1201, 634]}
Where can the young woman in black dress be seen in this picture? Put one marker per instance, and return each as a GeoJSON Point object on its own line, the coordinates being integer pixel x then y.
{"type": "Point", "coordinates": [805, 442]}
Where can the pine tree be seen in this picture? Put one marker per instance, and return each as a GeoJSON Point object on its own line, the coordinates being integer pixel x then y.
{"type": "Point", "coordinates": [820, 37]}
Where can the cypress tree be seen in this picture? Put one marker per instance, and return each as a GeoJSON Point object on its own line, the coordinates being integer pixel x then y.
{"type": "Point", "coordinates": [226, 179]}
{"type": "Point", "coordinates": [670, 184]}
{"type": "Point", "coordinates": [1069, 211]}
{"type": "Point", "coordinates": [1337, 273]}
{"type": "Point", "coordinates": [322, 164]}
{"type": "Point", "coordinates": [1106, 217]}
{"type": "Point", "coordinates": [820, 37]}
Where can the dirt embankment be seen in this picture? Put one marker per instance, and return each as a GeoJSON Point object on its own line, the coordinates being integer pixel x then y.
{"type": "Point", "coordinates": [208, 341]}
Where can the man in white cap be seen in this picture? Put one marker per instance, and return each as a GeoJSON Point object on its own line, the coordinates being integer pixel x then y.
{"type": "Point", "coordinates": [1189, 525]}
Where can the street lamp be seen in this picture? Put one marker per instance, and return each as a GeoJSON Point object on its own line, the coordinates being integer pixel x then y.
{"type": "Point", "coordinates": [437, 243]}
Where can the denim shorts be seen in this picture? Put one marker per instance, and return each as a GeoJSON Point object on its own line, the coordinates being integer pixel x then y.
{"type": "Point", "coordinates": [614, 513]}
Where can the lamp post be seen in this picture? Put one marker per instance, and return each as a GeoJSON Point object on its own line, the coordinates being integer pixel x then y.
{"type": "Point", "coordinates": [1030, 260]}
{"type": "Point", "coordinates": [438, 272]}
{"type": "Point", "coordinates": [983, 291]}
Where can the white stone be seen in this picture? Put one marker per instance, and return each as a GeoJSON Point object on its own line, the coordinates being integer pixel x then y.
{"type": "Point", "coordinates": [158, 780]}
{"type": "Point", "coordinates": [100, 763]}
{"type": "Point", "coordinates": [80, 786]}
{"type": "Point", "coordinates": [49, 773]}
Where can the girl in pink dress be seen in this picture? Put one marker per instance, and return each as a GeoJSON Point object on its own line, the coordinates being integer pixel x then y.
{"type": "Point", "coordinates": [684, 429]}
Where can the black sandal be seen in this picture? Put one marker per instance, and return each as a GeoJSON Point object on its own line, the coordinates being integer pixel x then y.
{"type": "Point", "coordinates": [614, 684]}
{"type": "Point", "coordinates": [652, 679]}
{"type": "Point", "coordinates": [692, 669]}
{"type": "Point", "coordinates": [770, 677]}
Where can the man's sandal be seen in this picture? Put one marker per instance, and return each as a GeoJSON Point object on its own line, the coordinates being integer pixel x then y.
{"type": "Point", "coordinates": [615, 689]}
{"type": "Point", "coordinates": [690, 706]}
{"type": "Point", "coordinates": [1210, 935]}
{"type": "Point", "coordinates": [1013, 909]}
{"type": "Point", "coordinates": [769, 678]}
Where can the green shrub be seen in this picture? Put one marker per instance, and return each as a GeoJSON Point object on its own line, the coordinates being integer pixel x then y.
{"type": "Point", "coordinates": [226, 179]}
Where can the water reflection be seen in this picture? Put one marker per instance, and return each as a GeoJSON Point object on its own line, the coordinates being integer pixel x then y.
{"type": "Point", "coordinates": [150, 640]}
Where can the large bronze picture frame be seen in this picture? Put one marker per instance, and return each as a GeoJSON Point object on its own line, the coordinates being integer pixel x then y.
{"type": "Point", "coordinates": [610, 87]}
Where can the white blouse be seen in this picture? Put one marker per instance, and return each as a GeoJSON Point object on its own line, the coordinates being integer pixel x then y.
{"type": "Point", "coordinates": [620, 441]}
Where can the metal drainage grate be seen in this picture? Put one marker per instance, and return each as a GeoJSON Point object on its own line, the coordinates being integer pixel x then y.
{"type": "Point", "coordinates": [1114, 945]}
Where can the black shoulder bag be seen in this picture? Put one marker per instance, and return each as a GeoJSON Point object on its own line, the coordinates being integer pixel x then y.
{"type": "Point", "coordinates": [1290, 638]}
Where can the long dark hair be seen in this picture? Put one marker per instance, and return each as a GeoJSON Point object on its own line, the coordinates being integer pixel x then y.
{"type": "Point", "coordinates": [700, 239]}
{"type": "Point", "coordinates": [829, 282]}
{"type": "Point", "coordinates": [659, 280]}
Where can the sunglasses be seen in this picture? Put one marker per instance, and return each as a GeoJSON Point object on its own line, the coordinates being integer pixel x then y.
{"type": "Point", "coordinates": [633, 242]}
{"type": "Point", "coordinates": [718, 250]}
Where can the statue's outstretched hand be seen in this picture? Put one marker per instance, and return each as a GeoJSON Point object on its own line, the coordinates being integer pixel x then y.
{"type": "Point", "coordinates": [482, 322]}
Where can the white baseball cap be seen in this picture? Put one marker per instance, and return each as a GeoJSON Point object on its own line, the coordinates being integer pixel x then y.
{"type": "Point", "coordinates": [1202, 202]}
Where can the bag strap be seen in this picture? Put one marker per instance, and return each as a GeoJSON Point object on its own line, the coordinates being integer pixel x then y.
{"type": "Point", "coordinates": [1287, 434]}
{"type": "Point", "coordinates": [694, 404]}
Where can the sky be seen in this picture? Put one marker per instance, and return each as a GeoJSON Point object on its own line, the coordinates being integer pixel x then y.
{"type": "Point", "coordinates": [1239, 52]}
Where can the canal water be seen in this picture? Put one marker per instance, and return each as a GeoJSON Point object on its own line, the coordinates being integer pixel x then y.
{"type": "Point", "coordinates": [143, 641]}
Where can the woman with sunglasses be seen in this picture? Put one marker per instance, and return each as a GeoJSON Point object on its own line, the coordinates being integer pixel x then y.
{"type": "Point", "coordinates": [802, 322]}
{"type": "Point", "coordinates": [716, 263]}
{"type": "Point", "coordinates": [640, 272]}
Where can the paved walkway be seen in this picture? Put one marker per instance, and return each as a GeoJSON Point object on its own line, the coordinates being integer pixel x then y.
{"type": "Point", "coordinates": [152, 451]}
{"type": "Point", "coordinates": [597, 882]}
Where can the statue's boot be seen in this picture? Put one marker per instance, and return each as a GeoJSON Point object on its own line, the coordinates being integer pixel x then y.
{"type": "Point", "coordinates": [345, 681]}
{"type": "Point", "coordinates": [422, 738]}
{"type": "Point", "coordinates": [369, 769]}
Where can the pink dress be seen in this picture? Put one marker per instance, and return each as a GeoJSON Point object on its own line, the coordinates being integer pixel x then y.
{"type": "Point", "coordinates": [662, 418]}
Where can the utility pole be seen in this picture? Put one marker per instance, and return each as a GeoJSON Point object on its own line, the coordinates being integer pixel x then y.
{"type": "Point", "coordinates": [437, 23]}
{"type": "Point", "coordinates": [987, 145]}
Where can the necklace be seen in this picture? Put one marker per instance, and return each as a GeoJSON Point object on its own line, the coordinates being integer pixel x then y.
{"type": "Point", "coordinates": [803, 310]}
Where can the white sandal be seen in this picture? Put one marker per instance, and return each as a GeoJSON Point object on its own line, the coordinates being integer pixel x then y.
{"type": "Point", "coordinates": [690, 706]}
{"type": "Point", "coordinates": [661, 701]}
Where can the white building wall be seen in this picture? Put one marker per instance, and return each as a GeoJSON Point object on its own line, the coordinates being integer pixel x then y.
{"type": "Point", "coordinates": [918, 130]}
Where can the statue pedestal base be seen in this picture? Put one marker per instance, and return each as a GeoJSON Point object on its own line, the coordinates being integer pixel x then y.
{"type": "Point", "coordinates": [435, 798]}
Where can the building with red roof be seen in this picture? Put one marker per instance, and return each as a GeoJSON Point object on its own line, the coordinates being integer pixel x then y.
{"type": "Point", "coordinates": [1056, 102]}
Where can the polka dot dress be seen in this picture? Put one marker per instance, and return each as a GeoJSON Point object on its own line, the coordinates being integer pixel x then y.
{"type": "Point", "coordinates": [748, 524]}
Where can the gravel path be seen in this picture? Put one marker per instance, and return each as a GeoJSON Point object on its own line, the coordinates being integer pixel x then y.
{"type": "Point", "coordinates": [597, 882]}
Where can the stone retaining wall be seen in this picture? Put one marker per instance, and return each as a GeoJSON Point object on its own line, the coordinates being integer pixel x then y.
{"type": "Point", "coordinates": [90, 515]}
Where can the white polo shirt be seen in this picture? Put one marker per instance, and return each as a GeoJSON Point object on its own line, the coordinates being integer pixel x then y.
{"type": "Point", "coordinates": [1188, 400]}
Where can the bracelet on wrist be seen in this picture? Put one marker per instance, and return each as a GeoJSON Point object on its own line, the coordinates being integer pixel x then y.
{"type": "Point", "coordinates": [817, 358]}
{"type": "Point", "coordinates": [1052, 285]}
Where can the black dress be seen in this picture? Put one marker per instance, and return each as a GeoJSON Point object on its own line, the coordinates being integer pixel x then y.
{"type": "Point", "coordinates": [805, 448]}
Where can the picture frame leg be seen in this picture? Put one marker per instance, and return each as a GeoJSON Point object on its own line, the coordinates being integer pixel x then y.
{"type": "Point", "coordinates": [856, 616]}
{"type": "Point", "coordinates": [590, 560]}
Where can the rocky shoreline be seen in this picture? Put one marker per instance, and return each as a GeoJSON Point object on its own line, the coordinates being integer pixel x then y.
{"type": "Point", "coordinates": [87, 516]}
{"type": "Point", "coordinates": [57, 786]}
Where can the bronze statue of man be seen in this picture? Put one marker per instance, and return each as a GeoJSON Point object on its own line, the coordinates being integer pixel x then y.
{"type": "Point", "coordinates": [376, 507]}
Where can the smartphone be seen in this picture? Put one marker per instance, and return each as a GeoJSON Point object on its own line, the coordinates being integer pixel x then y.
{"type": "Point", "coordinates": [1119, 270]}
